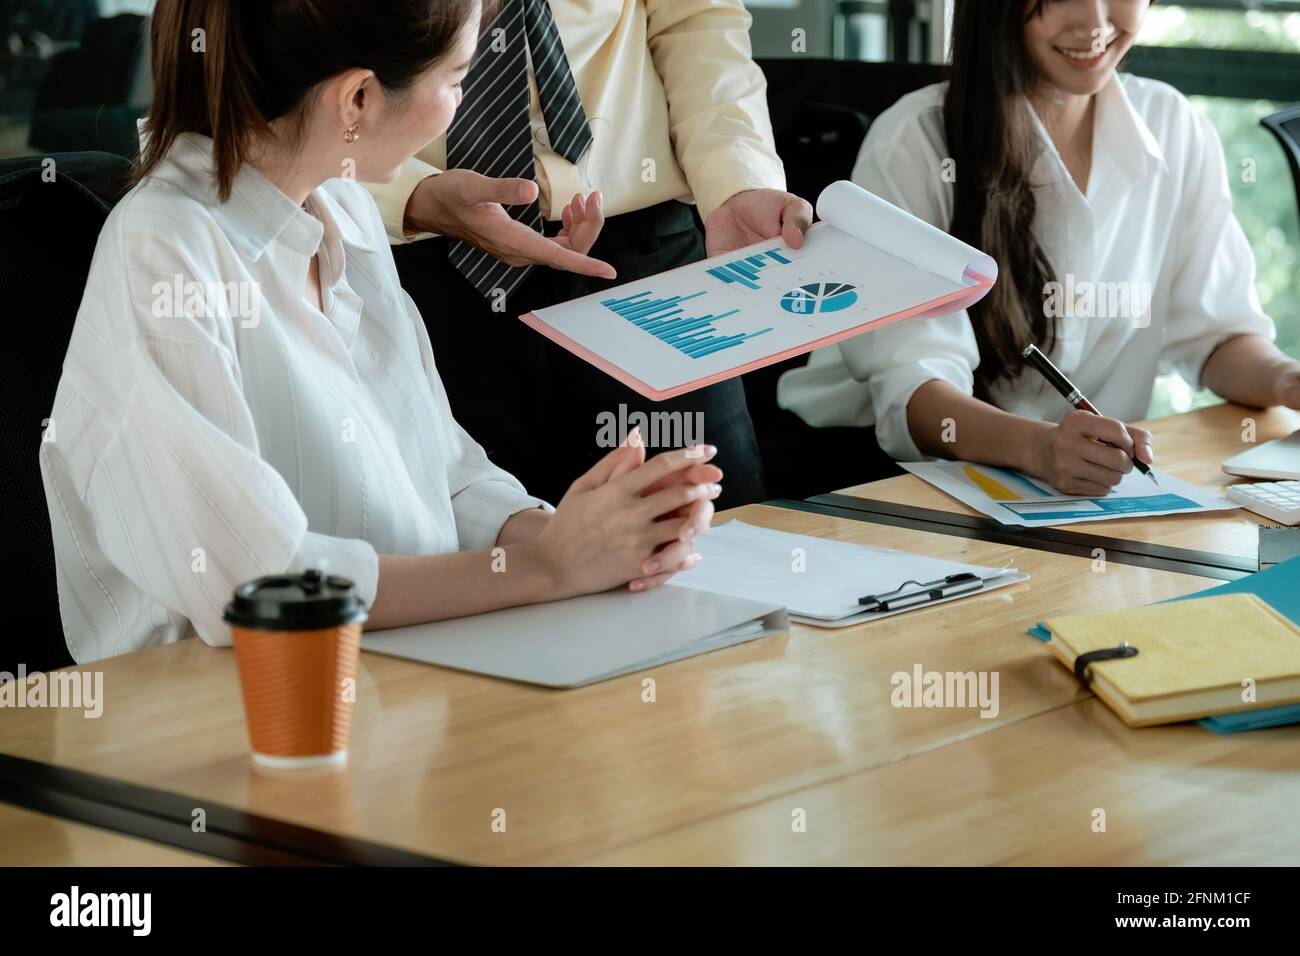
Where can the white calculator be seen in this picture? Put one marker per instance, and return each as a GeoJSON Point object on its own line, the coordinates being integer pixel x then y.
{"type": "Point", "coordinates": [1276, 500]}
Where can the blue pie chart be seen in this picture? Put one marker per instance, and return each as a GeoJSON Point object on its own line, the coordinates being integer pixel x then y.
{"type": "Point", "coordinates": [819, 297]}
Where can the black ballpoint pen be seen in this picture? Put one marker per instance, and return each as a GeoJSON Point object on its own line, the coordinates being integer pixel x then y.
{"type": "Point", "coordinates": [1070, 392]}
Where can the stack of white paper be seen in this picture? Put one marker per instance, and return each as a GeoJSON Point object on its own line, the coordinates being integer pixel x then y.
{"type": "Point", "coordinates": [817, 580]}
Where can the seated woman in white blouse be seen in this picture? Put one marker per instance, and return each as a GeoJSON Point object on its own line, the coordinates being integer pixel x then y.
{"type": "Point", "coordinates": [1104, 199]}
{"type": "Point", "coordinates": [249, 391]}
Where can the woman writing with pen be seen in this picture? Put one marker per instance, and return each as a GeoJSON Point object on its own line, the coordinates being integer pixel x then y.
{"type": "Point", "coordinates": [1104, 198]}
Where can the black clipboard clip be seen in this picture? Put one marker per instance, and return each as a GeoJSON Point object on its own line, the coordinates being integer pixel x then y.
{"type": "Point", "coordinates": [924, 592]}
{"type": "Point", "coordinates": [1081, 662]}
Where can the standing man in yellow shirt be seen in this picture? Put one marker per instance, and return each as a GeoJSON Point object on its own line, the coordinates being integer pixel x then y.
{"type": "Point", "coordinates": [651, 103]}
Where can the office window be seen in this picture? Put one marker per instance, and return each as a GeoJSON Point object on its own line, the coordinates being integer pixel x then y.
{"type": "Point", "coordinates": [73, 75]}
{"type": "Point", "coordinates": [1225, 26]}
{"type": "Point", "coordinates": [1251, 58]}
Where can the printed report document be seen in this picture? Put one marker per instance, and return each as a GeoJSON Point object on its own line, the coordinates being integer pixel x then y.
{"type": "Point", "coordinates": [865, 265]}
{"type": "Point", "coordinates": [1013, 498]}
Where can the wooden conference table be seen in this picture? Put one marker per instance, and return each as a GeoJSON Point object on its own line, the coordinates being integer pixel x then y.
{"type": "Point", "coordinates": [784, 750]}
{"type": "Point", "coordinates": [28, 838]}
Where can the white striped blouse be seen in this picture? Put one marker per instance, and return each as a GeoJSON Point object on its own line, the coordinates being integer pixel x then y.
{"type": "Point", "coordinates": [211, 427]}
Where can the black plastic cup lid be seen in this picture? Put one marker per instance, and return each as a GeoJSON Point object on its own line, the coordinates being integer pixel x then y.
{"type": "Point", "coordinates": [295, 602]}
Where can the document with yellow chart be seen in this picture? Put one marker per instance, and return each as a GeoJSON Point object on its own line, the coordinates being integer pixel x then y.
{"type": "Point", "coordinates": [1013, 498]}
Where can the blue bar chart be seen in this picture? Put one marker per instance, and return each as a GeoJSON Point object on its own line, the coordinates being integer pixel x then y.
{"type": "Point", "coordinates": [695, 336]}
{"type": "Point", "coordinates": [745, 271]}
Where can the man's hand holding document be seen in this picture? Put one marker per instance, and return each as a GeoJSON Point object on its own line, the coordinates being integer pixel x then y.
{"type": "Point", "coordinates": [866, 264]}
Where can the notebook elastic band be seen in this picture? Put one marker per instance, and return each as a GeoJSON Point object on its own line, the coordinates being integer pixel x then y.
{"type": "Point", "coordinates": [1105, 654]}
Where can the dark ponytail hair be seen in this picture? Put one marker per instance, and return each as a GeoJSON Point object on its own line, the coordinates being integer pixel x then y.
{"type": "Point", "coordinates": [229, 68]}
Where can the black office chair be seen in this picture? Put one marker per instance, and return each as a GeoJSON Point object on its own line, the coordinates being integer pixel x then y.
{"type": "Point", "coordinates": [1285, 125]}
{"type": "Point", "coordinates": [821, 111]}
{"type": "Point", "coordinates": [868, 88]}
{"type": "Point", "coordinates": [819, 145]}
{"type": "Point", "coordinates": [84, 102]}
{"type": "Point", "coordinates": [48, 232]}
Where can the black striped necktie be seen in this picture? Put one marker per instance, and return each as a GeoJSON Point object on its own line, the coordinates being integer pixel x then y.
{"type": "Point", "coordinates": [491, 133]}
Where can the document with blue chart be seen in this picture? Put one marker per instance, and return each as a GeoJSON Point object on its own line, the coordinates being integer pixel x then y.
{"type": "Point", "coordinates": [866, 264]}
{"type": "Point", "coordinates": [1013, 498]}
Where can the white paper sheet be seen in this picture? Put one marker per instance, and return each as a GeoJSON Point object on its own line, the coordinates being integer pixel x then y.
{"type": "Point", "coordinates": [819, 581]}
{"type": "Point", "coordinates": [851, 209]}
{"type": "Point", "coordinates": [1028, 502]}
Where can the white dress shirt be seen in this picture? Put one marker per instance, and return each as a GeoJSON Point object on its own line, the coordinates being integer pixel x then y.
{"type": "Point", "coordinates": [1157, 217]}
{"type": "Point", "coordinates": [242, 433]}
{"type": "Point", "coordinates": [676, 105]}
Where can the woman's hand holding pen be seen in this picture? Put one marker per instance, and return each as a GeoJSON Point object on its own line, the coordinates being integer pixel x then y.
{"type": "Point", "coordinates": [629, 521]}
{"type": "Point", "coordinates": [1088, 454]}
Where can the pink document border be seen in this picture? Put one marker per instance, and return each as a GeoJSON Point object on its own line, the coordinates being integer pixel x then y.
{"type": "Point", "coordinates": [944, 305]}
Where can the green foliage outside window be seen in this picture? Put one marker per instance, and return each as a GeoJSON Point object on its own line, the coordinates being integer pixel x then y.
{"type": "Point", "coordinates": [1264, 194]}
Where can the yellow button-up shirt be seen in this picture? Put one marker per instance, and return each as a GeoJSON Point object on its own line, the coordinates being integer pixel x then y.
{"type": "Point", "coordinates": [676, 104]}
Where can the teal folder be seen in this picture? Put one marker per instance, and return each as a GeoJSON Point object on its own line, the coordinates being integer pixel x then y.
{"type": "Point", "coordinates": [1278, 586]}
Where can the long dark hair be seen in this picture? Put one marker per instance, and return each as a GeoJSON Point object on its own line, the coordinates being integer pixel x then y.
{"type": "Point", "coordinates": [991, 139]}
{"type": "Point", "coordinates": [228, 68]}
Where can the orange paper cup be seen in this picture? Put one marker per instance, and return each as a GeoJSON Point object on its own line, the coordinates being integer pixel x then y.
{"type": "Point", "coordinates": [297, 638]}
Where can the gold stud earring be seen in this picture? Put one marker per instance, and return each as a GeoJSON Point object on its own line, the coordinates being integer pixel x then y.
{"type": "Point", "coordinates": [352, 133]}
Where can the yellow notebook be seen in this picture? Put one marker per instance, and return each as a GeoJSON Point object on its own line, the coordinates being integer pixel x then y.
{"type": "Point", "coordinates": [1195, 658]}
